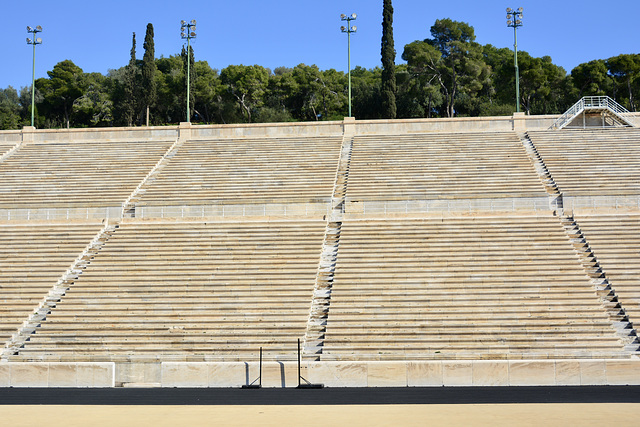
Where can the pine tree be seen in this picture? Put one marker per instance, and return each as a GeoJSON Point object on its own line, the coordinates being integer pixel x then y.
{"type": "Point", "coordinates": [149, 71]}
{"type": "Point", "coordinates": [388, 63]}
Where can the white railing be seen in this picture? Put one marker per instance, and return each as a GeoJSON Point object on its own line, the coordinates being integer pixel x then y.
{"type": "Point", "coordinates": [602, 202]}
{"type": "Point", "coordinates": [261, 209]}
{"type": "Point", "coordinates": [456, 205]}
{"type": "Point", "coordinates": [591, 103]}
{"type": "Point", "coordinates": [42, 214]}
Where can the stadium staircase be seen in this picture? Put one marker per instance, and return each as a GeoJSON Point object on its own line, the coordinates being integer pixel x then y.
{"type": "Point", "coordinates": [129, 205]}
{"type": "Point", "coordinates": [612, 113]}
{"type": "Point", "coordinates": [321, 300]}
{"type": "Point", "coordinates": [555, 196]}
{"type": "Point", "coordinates": [458, 285]}
{"type": "Point", "coordinates": [463, 288]}
{"type": "Point", "coordinates": [175, 291]}
{"type": "Point", "coordinates": [244, 177]}
{"type": "Point", "coordinates": [610, 301]}
{"type": "Point", "coordinates": [11, 149]}
{"type": "Point", "coordinates": [615, 238]}
{"type": "Point", "coordinates": [57, 292]}
{"type": "Point", "coordinates": [70, 177]}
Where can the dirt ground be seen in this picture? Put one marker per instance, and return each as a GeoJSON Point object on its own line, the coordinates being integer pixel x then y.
{"type": "Point", "coordinates": [348, 415]}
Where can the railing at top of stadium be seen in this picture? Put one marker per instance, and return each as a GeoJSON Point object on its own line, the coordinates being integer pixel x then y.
{"type": "Point", "coordinates": [588, 102]}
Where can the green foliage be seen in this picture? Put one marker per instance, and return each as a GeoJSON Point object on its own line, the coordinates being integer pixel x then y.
{"type": "Point", "coordinates": [65, 84]}
{"type": "Point", "coordinates": [9, 108]}
{"type": "Point", "coordinates": [388, 53]}
{"type": "Point", "coordinates": [149, 70]}
{"type": "Point", "coordinates": [446, 75]}
{"type": "Point", "coordinates": [247, 85]}
{"type": "Point", "coordinates": [625, 70]}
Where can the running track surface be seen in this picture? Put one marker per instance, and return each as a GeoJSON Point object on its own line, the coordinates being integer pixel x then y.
{"type": "Point", "coordinates": [326, 396]}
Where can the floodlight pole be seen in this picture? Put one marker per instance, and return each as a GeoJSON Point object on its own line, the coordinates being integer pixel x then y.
{"type": "Point", "coordinates": [514, 19]}
{"type": "Point", "coordinates": [349, 29]}
{"type": "Point", "coordinates": [34, 42]}
{"type": "Point", "coordinates": [191, 33]}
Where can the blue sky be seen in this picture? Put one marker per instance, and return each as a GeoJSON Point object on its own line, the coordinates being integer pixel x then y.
{"type": "Point", "coordinates": [97, 35]}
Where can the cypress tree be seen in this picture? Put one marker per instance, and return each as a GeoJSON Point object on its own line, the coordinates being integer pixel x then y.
{"type": "Point", "coordinates": [149, 70]}
{"type": "Point", "coordinates": [388, 63]}
{"type": "Point", "coordinates": [129, 103]}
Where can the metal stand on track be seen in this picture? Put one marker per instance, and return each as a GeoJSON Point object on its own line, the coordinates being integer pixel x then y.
{"type": "Point", "coordinates": [306, 383]}
{"type": "Point", "coordinates": [259, 379]}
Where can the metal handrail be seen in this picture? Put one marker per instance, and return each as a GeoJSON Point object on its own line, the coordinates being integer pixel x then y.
{"type": "Point", "coordinates": [586, 103]}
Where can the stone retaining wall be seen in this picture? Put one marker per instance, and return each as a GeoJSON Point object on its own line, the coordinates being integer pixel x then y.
{"type": "Point", "coordinates": [331, 374]}
{"type": "Point", "coordinates": [57, 374]}
{"type": "Point", "coordinates": [518, 122]}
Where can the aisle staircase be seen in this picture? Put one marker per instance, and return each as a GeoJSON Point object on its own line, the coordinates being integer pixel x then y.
{"type": "Point", "coordinates": [129, 205]}
{"type": "Point", "coordinates": [617, 314]}
{"type": "Point", "coordinates": [55, 294]}
{"type": "Point", "coordinates": [550, 186]}
{"type": "Point", "coordinates": [321, 300]}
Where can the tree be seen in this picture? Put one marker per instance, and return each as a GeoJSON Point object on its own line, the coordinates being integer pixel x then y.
{"type": "Point", "coordinates": [93, 108]}
{"type": "Point", "coordinates": [417, 95]}
{"type": "Point", "coordinates": [170, 90]}
{"type": "Point", "coordinates": [207, 94]}
{"type": "Point", "coordinates": [248, 85]}
{"type": "Point", "coordinates": [625, 69]}
{"type": "Point", "coordinates": [388, 54]}
{"type": "Point", "coordinates": [591, 78]}
{"type": "Point", "coordinates": [129, 101]}
{"type": "Point", "coordinates": [366, 92]}
{"type": "Point", "coordinates": [149, 69]}
{"type": "Point", "coordinates": [540, 84]}
{"type": "Point", "coordinates": [450, 59]}
{"type": "Point", "coordinates": [65, 84]}
{"type": "Point", "coordinates": [9, 109]}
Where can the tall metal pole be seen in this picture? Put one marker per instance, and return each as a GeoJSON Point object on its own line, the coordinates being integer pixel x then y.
{"type": "Point", "coordinates": [514, 19]}
{"type": "Point", "coordinates": [188, 78]}
{"type": "Point", "coordinates": [34, 42]}
{"type": "Point", "coordinates": [349, 29]}
{"type": "Point", "coordinates": [190, 28]}
{"type": "Point", "coordinates": [348, 65]}
{"type": "Point", "coordinates": [33, 85]}
{"type": "Point", "coordinates": [515, 56]}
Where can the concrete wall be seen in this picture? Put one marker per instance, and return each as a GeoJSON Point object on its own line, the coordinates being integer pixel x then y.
{"type": "Point", "coordinates": [57, 374]}
{"type": "Point", "coordinates": [507, 204]}
{"type": "Point", "coordinates": [10, 136]}
{"type": "Point", "coordinates": [607, 203]}
{"type": "Point", "coordinates": [518, 122]}
{"type": "Point", "coordinates": [331, 374]}
{"type": "Point", "coordinates": [261, 130]}
{"type": "Point", "coordinates": [406, 373]}
{"type": "Point", "coordinates": [100, 134]}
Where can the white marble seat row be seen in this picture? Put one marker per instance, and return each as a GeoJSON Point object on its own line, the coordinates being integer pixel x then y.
{"type": "Point", "coordinates": [224, 288]}
{"type": "Point", "coordinates": [449, 287]}
{"type": "Point", "coordinates": [615, 241]}
{"type": "Point", "coordinates": [76, 174]}
{"type": "Point", "coordinates": [32, 259]}
{"type": "Point", "coordinates": [592, 162]}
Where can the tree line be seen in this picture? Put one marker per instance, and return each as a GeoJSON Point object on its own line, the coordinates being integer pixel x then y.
{"type": "Point", "coordinates": [448, 74]}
